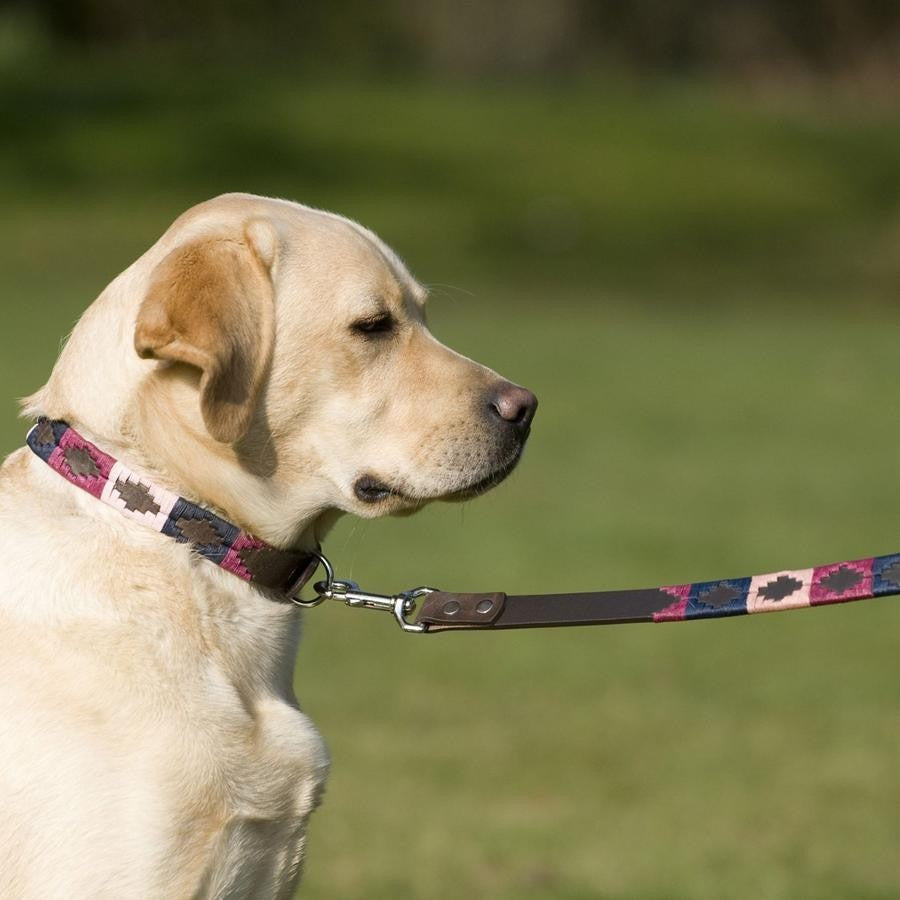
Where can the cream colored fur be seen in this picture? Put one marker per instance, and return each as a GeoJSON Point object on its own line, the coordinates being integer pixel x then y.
{"type": "Point", "coordinates": [150, 740]}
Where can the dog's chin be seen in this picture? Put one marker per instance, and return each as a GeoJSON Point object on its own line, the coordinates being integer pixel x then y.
{"type": "Point", "coordinates": [376, 496]}
{"type": "Point", "coordinates": [484, 483]}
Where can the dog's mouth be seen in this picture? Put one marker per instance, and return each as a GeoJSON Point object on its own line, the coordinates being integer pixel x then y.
{"type": "Point", "coordinates": [369, 489]}
{"type": "Point", "coordinates": [372, 490]}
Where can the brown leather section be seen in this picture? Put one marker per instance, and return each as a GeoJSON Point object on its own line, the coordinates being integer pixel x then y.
{"type": "Point", "coordinates": [136, 496]}
{"type": "Point", "coordinates": [81, 462]}
{"type": "Point", "coordinates": [544, 610]}
{"type": "Point", "coordinates": [199, 531]}
{"type": "Point", "coordinates": [274, 568]}
{"type": "Point", "coordinates": [45, 432]}
{"type": "Point", "coordinates": [441, 609]}
{"type": "Point", "coordinates": [607, 607]}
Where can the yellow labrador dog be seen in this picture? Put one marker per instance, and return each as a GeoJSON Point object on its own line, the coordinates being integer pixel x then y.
{"type": "Point", "coordinates": [269, 363]}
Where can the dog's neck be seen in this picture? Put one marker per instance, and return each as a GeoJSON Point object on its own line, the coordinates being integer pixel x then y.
{"type": "Point", "coordinates": [237, 479]}
{"type": "Point", "coordinates": [162, 433]}
{"type": "Point", "coordinates": [181, 604]}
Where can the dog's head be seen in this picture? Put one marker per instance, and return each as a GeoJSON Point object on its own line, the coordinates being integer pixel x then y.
{"type": "Point", "coordinates": [278, 365]}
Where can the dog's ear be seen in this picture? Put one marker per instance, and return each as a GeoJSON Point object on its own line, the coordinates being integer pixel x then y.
{"type": "Point", "coordinates": [210, 305]}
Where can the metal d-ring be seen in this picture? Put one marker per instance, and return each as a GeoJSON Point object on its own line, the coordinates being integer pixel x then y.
{"type": "Point", "coordinates": [323, 589]}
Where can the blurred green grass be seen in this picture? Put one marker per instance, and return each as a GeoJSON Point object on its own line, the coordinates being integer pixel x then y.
{"type": "Point", "coordinates": [702, 290]}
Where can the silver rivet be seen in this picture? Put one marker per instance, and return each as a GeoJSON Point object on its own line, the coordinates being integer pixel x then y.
{"type": "Point", "coordinates": [452, 608]}
{"type": "Point", "coordinates": [485, 606]}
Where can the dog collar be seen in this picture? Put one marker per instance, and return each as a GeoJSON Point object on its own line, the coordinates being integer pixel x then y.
{"type": "Point", "coordinates": [213, 538]}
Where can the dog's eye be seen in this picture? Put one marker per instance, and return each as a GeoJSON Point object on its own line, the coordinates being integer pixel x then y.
{"type": "Point", "coordinates": [379, 324]}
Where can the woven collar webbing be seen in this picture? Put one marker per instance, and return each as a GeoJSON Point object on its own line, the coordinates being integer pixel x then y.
{"type": "Point", "coordinates": [213, 538]}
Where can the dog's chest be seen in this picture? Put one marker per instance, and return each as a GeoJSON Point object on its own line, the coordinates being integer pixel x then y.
{"type": "Point", "coordinates": [265, 758]}
{"type": "Point", "coordinates": [267, 751]}
{"type": "Point", "coordinates": [253, 773]}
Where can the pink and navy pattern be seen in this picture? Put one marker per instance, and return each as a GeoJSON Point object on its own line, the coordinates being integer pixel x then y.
{"type": "Point", "coordinates": [209, 535]}
{"type": "Point", "coordinates": [859, 579]}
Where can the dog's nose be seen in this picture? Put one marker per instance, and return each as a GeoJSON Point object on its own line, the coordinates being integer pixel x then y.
{"type": "Point", "coordinates": [513, 404]}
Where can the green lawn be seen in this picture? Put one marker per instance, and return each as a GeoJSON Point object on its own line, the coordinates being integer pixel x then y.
{"type": "Point", "coordinates": [702, 291]}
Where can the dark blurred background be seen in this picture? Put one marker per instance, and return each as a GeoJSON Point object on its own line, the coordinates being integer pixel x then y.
{"type": "Point", "coordinates": [679, 223]}
{"type": "Point", "coordinates": [755, 39]}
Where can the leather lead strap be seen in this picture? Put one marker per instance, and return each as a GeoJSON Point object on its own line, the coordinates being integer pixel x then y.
{"type": "Point", "coordinates": [443, 611]}
{"type": "Point", "coordinates": [860, 579]}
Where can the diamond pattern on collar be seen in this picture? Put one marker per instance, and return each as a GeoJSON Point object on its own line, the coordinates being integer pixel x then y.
{"type": "Point", "coordinates": [199, 531]}
{"type": "Point", "coordinates": [136, 496]}
{"type": "Point", "coordinates": [81, 462]}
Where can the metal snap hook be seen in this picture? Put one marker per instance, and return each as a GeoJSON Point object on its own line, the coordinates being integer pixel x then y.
{"type": "Point", "coordinates": [403, 605]}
